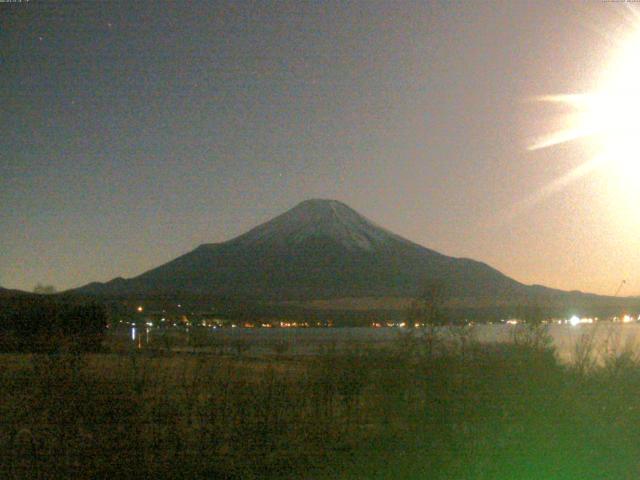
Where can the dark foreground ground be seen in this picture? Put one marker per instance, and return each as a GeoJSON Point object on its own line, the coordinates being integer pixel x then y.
{"type": "Point", "coordinates": [419, 409]}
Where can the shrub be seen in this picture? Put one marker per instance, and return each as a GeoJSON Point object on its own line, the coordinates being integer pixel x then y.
{"type": "Point", "coordinates": [42, 325]}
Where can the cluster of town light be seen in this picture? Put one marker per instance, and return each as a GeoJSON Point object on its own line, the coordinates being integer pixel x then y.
{"type": "Point", "coordinates": [574, 321]}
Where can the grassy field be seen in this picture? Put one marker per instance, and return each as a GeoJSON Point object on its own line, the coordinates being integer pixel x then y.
{"type": "Point", "coordinates": [422, 408]}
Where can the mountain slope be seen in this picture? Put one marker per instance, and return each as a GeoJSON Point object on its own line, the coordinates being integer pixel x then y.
{"type": "Point", "coordinates": [319, 249]}
{"type": "Point", "coordinates": [4, 292]}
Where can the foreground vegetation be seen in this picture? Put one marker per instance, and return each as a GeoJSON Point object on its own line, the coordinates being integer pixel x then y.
{"type": "Point", "coordinates": [47, 324]}
{"type": "Point", "coordinates": [425, 408]}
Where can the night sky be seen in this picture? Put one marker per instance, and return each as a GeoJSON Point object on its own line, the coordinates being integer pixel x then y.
{"type": "Point", "coordinates": [134, 131]}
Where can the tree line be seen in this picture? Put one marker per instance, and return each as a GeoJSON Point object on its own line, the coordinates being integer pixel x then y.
{"type": "Point", "coordinates": [47, 324]}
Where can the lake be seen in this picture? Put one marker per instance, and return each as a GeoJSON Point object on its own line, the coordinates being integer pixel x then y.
{"type": "Point", "coordinates": [605, 337]}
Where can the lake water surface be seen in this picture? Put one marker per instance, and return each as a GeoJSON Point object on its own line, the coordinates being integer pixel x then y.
{"type": "Point", "coordinates": [605, 338]}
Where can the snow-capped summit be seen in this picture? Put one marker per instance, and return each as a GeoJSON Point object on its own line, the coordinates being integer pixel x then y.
{"type": "Point", "coordinates": [320, 218]}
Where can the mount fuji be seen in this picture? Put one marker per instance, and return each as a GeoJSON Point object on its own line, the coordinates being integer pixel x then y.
{"type": "Point", "coordinates": [319, 250]}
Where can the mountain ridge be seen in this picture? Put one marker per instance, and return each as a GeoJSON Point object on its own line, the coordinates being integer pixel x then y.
{"type": "Point", "coordinates": [319, 249]}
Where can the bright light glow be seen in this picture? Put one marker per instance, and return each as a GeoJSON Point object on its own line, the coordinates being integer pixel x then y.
{"type": "Point", "coordinates": [611, 114]}
{"type": "Point", "coordinates": [140, 309]}
{"type": "Point", "coordinates": [609, 118]}
{"type": "Point", "coordinates": [574, 321]}
{"type": "Point", "coordinates": [627, 319]}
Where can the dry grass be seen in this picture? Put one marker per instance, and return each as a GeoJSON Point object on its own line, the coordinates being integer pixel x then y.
{"type": "Point", "coordinates": [431, 407]}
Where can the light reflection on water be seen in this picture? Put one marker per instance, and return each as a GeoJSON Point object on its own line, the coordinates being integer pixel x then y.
{"type": "Point", "coordinates": [608, 338]}
{"type": "Point", "coordinates": [134, 335]}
